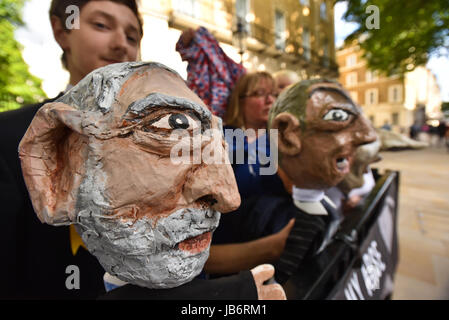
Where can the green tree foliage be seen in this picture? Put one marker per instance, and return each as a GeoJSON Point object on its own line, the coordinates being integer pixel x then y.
{"type": "Point", "coordinates": [17, 86]}
{"type": "Point", "coordinates": [445, 106]}
{"type": "Point", "coordinates": [410, 31]}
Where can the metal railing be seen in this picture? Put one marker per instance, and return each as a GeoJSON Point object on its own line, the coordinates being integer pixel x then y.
{"type": "Point", "coordinates": [219, 14]}
{"type": "Point", "coordinates": [322, 277]}
{"type": "Point", "coordinates": [298, 53]}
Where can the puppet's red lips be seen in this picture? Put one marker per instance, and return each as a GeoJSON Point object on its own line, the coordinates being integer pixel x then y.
{"type": "Point", "coordinates": [196, 244]}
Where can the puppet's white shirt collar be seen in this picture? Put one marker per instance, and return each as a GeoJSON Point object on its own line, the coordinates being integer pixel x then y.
{"type": "Point", "coordinates": [309, 200]}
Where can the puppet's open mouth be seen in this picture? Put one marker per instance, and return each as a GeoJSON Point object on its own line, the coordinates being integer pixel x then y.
{"type": "Point", "coordinates": [343, 165]}
{"type": "Point", "coordinates": [196, 244]}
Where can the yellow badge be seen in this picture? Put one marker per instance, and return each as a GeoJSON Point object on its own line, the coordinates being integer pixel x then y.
{"type": "Point", "coordinates": [75, 240]}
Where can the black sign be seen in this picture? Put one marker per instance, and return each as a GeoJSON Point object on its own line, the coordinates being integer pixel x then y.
{"type": "Point", "coordinates": [361, 261]}
{"type": "Point", "coordinates": [372, 273]}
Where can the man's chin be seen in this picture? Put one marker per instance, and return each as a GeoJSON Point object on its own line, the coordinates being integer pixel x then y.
{"type": "Point", "coordinates": [165, 254]}
{"type": "Point", "coordinates": [168, 269]}
{"type": "Point", "coordinates": [329, 181]}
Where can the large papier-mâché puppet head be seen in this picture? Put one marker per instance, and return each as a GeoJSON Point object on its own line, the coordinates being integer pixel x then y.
{"type": "Point", "coordinates": [319, 129]}
{"type": "Point", "coordinates": [100, 157]}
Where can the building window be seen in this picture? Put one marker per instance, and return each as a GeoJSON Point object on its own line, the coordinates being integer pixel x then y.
{"type": "Point", "coordinates": [395, 118]}
{"type": "Point", "coordinates": [395, 93]}
{"type": "Point", "coordinates": [279, 30]}
{"type": "Point", "coordinates": [354, 96]}
{"type": "Point", "coordinates": [372, 118]}
{"type": "Point", "coordinates": [371, 97]}
{"type": "Point", "coordinates": [351, 60]}
{"type": "Point", "coordinates": [371, 76]}
{"type": "Point", "coordinates": [306, 43]}
{"type": "Point", "coordinates": [305, 3]}
{"type": "Point", "coordinates": [351, 79]}
{"type": "Point", "coordinates": [187, 7]}
{"type": "Point", "coordinates": [326, 52]}
{"type": "Point", "coordinates": [323, 11]}
{"type": "Point", "coordinates": [242, 10]}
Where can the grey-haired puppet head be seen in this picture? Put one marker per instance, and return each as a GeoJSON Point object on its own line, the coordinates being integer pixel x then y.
{"type": "Point", "coordinates": [99, 158]}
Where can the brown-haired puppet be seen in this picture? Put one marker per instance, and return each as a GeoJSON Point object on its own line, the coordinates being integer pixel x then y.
{"type": "Point", "coordinates": [319, 129]}
{"type": "Point", "coordinates": [100, 157]}
{"type": "Point", "coordinates": [359, 182]}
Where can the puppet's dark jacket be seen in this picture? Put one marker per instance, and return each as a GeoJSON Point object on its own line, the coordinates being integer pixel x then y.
{"type": "Point", "coordinates": [36, 256]}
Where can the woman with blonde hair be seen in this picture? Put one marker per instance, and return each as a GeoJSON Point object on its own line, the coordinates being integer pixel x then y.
{"type": "Point", "coordinates": [248, 108]}
{"type": "Point", "coordinates": [251, 101]}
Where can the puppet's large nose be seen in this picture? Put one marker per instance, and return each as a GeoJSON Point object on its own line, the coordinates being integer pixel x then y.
{"type": "Point", "coordinates": [213, 181]}
{"type": "Point", "coordinates": [364, 132]}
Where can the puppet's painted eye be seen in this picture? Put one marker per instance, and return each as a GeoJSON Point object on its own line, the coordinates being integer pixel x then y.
{"type": "Point", "coordinates": [176, 121]}
{"type": "Point", "coordinates": [336, 115]}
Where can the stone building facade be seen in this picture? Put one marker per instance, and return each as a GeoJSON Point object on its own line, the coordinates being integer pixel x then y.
{"type": "Point", "coordinates": [394, 100]}
{"type": "Point", "coordinates": [262, 34]}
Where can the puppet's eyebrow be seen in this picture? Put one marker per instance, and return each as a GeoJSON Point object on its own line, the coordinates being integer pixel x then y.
{"type": "Point", "coordinates": [341, 93]}
{"type": "Point", "coordinates": [141, 108]}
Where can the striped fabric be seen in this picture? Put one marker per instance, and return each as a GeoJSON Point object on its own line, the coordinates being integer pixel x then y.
{"type": "Point", "coordinates": [303, 240]}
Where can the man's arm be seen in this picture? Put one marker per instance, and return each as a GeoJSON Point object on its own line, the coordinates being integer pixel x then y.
{"type": "Point", "coordinates": [247, 285]}
{"type": "Point", "coordinates": [235, 257]}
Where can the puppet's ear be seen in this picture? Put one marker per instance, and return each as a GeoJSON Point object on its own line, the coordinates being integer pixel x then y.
{"type": "Point", "coordinates": [288, 127]}
{"type": "Point", "coordinates": [44, 156]}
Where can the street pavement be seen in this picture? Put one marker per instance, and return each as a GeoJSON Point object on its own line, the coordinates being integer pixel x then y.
{"type": "Point", "coordinates": [423, 222]}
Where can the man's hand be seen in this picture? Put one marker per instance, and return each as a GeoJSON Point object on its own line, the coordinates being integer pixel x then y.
{"type": "Point", "coordinates": [235, 257]}
{"type": "Point", "coordinates": [350, 203]}
{"type": "Point", "coordinates": [273, 291]}
{"type": "Point", "coordinates": [187, 36]}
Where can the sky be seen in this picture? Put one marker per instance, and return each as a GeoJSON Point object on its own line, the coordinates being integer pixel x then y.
{"type": "Point", "coordinates": [342, 28]}
{"type": "Point", "coordinates": [42, 53]}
